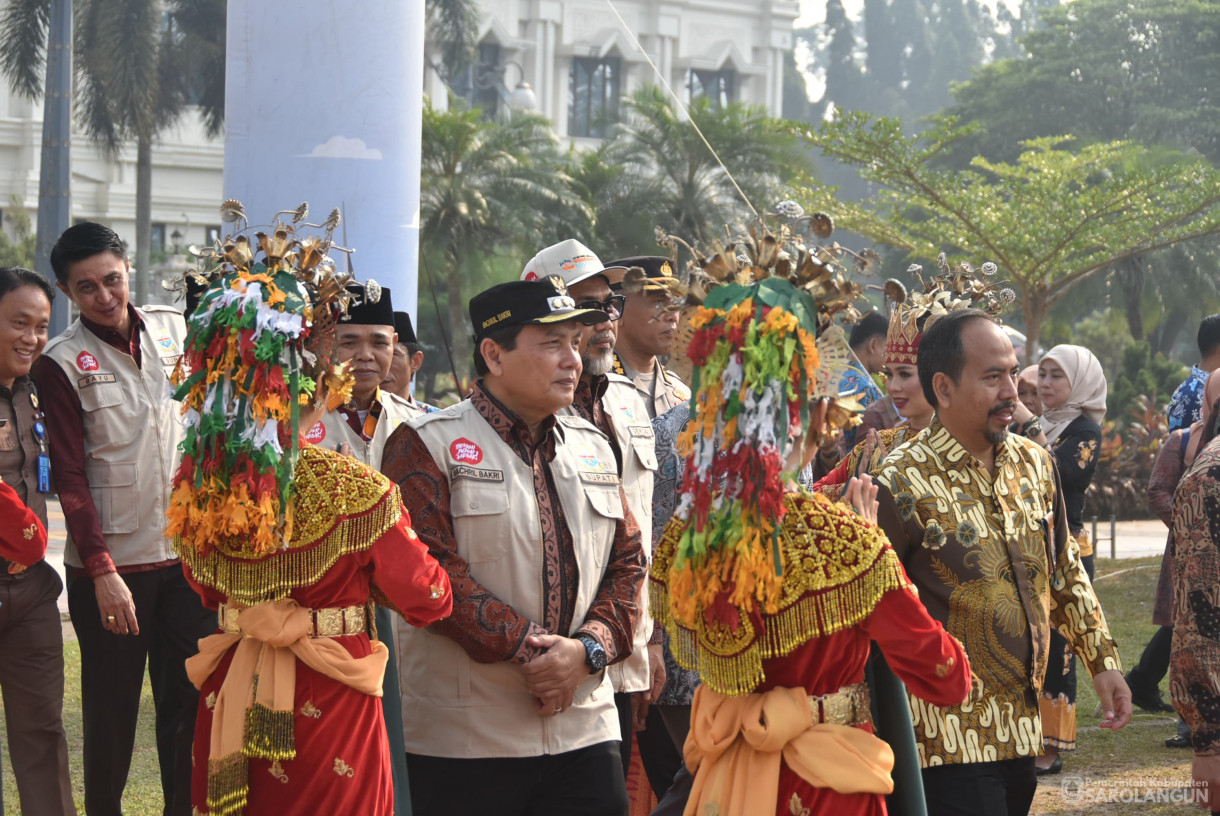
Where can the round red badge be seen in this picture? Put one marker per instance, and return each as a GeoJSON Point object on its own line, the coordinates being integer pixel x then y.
{"type": "Point", "coordinates": [531, 275]}
{"type": "Point", "coordinates": [316, 434]}
{"type": "Point", "coordinates": [466, 451]}
{"type": "Point", "coordinates": [87, 362]}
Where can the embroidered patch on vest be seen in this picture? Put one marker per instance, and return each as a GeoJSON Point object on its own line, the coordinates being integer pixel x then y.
{"type": "Point", "coordinates": [475, 474]}
{"type": "Point", "coordinates": [87, 362]}
{"type": "Point", "coordinates": [316, 434]}
{"type": "Point", "coordinates": [94, 379]}
{"type": "Point", "coordinates": [463, 450]}
{"type": "Point", "coordinates": [640, 430]}
{"type": "Point", "coordinates": [598, 478]}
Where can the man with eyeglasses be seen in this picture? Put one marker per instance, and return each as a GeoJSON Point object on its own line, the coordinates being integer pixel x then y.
{"type": "Point", "coordinates": [611, 403]}
{"type": "Point", "coordinates": [647, 331]}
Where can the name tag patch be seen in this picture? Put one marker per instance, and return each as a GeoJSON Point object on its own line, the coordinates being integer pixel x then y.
{"type": "Point", "coordinates": [475, 474]}
{"type": "Point", "coordinates": [640, 431]}
{"type": "Point", "coordinates": [94, 379]}
{"type": "Point", "coordinates": [591, 477]}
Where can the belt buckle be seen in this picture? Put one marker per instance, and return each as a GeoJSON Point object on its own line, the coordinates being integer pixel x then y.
{"type": "Point", "coordinates": [837, 709]}
{"type": "Point", "coordinates": [328, 622]}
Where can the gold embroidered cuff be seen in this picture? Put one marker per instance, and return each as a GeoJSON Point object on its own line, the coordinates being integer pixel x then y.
{"type": "Point", "coordinates": [330, 622]}
{"type": "Point", "coordinates": [850, 705]}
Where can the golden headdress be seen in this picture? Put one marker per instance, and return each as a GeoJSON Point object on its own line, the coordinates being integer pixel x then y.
{"type": "Point", "coordinates": [959, 287]}
{"type": "Point", "coordinates": [251, 362]}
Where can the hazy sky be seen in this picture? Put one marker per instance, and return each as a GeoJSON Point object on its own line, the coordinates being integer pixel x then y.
{"type": "Point", "coordinates": [814, 11]}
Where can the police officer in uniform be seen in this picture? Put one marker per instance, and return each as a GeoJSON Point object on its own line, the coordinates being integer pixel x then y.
{"type": "Point", "coordinates": [647, 331]}
{"type": "Point", "coordinates": [31, 638]}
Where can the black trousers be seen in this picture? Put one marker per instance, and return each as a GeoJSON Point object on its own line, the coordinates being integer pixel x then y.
{"type": "Point", "coordinates": [660, 752]}
{"type": "Point", "coordinates": [172, 619]}
{"type": "Point", "coordinates": [584, 782]}
{"type": "Point", "coordinates": [32, 681]}
{"type": "Point", "coordinates": [1154, 661]}
{"type": "Point", "coordinates": [1004, 788]}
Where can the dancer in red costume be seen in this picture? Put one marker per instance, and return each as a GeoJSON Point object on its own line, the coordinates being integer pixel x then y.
{"type": "Point", "coordinates": [290, 543]}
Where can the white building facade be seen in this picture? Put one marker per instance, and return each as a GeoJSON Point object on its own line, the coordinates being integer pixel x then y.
{"type": "Point", "coordinates": [575, 54]}
{"type": "Point", "coordinates": [580, 60]}
{"type": "Point", "coordinates": [187, 175]}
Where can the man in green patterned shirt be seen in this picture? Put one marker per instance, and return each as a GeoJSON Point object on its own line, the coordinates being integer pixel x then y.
{"type": "Point", "coordinates": [977, 517]}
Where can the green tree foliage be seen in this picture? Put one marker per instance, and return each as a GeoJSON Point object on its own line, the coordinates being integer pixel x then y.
{"type": "Point", "coordinates": [137, 64]}
{"type": "Point", "coordinates": [1142, 374]}
{"type": "Point", "coordinates": [487, 185]}
{"type": "Point", "coordinates": [694, 195]}
{"type": "Point", "coordinates": [1105, 70]}
{"type": "Point", "coordinates": [19, 252]}
{"type": "Point", "coordinates": [1050, 220]}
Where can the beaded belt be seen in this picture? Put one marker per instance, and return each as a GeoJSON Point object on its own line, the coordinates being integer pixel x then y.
{"type": "Point", "coordinates": [331, 622]}
{"type": "Point", "coordinates": [849, 705]}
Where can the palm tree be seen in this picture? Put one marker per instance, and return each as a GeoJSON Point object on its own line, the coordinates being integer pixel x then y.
{"type": "Point", "coordinates": [488, 185]}
{"type": "Point", "coordinates": [697, 195]}
{"type": "Point", "coordinates": [138, 62]}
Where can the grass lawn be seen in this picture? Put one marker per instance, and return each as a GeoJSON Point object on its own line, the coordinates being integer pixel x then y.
{"type": "Point", "coordinates": [143, 794]}
{"type": "Point", "coordinates": [1110, 764]}
{"type": "Point", "coordinates": [1105, 764]}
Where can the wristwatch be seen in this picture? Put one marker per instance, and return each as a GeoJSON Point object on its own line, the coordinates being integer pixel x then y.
{"type": "Point", "coordinates": [595, 655]}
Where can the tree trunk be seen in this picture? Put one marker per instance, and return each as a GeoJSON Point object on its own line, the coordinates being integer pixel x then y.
{"type": "Point", "coordinates": [1131, 273]}
{"type": "Point", "coordinates": [1035, 313]}
{"type": "Point", "coordinates": [459, 321]}
{"type": "Point", "coordinates": [1167, 333]}
{"type": "Point", "coordinates": [143, 219]}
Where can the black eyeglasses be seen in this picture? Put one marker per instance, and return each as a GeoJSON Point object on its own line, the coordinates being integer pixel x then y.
{"type": "Point", "coordinates": [612, 306]}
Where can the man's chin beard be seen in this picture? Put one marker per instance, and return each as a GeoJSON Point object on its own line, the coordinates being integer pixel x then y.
{"type": "Point", "coordinates": [599, 365]}
{"type": "Point", "coordinates": [996, 437]}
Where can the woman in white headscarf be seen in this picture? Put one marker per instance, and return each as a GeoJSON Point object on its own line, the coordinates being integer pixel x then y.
{"type": "Point", "coordinates": [1072, 386]}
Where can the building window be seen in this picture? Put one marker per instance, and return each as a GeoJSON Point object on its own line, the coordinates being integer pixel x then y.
{"type": "Point", "coordinates": [720, 87]}
{"type": "Point", "coordinates": [479, 86]}
{"type": "Point", "coordinates": [593, 94]}
{"type": "Point", "coordinates": [157, 244]}
{"type": "Point", "coordinates": [211, 234]}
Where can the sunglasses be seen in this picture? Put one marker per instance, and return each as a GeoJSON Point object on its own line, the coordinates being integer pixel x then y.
{"type": "Point", "coordinates": [612, 306]}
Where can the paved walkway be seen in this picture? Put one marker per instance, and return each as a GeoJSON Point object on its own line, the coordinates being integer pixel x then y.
{"type": "Point", "coordinates": [1136, 539]}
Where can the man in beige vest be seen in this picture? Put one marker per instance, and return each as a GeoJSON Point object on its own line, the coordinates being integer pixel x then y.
{"type": "Point", "coordinates": [365, 339]}
{"type": "Point", "coordinates": [114, 428]}
{"type": "Point", "coordinates": [647, 331]}
{"type": "Point", "coordinates": [611, 402]}
{"type": "Point", "coordinates": [507, 705]}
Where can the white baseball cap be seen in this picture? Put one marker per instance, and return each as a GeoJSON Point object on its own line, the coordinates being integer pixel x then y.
{"type": "Point", "coordinates": [570, 261]}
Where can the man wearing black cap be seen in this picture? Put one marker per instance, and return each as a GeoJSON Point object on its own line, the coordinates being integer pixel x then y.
{"type": "Point", "coordinates": [611, 402]}
{"type": "Point", "coordinates": [365, 338]}
{"type": "Point", "coordinates": [647, 330]}
{"type": "Point", "coordinates": [408, 358]}
{"type": "Point", "coordinates": [507, 705]}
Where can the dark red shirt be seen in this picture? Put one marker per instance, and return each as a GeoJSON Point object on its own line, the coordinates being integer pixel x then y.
{"type": "Point", "coordinates": [66, 440]}
{"type": "Point", "coordinates": [482, 624]}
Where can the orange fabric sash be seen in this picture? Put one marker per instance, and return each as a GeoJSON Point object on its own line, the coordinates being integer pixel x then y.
{"type": "Point", "coordinates": [735, 745]}
{"type": "Point", "coordinates": [254, 709]}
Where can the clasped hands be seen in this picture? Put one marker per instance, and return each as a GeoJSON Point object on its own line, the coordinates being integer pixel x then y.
{"type": "Point", "coordinates": [553, 676]}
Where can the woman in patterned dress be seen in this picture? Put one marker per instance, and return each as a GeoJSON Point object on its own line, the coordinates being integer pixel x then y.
{"type": "Point", "coordinates": [1072, 386]}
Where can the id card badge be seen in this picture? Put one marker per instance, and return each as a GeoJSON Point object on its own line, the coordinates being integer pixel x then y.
{"type": "Point", "coordinates": [44, 473]}
{"type": "Point", "coordinates": [44, 461]}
